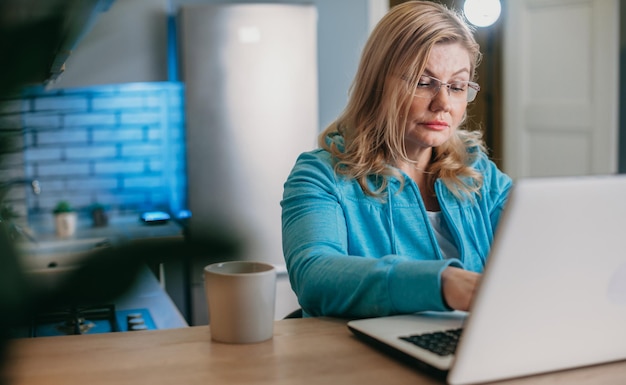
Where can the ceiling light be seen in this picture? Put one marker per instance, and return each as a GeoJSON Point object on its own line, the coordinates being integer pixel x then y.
{"type": "Point", "coordinates": [482, 13]}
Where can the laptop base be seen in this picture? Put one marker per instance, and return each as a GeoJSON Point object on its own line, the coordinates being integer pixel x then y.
{"type": "Point", "coordinates": [405, 358]}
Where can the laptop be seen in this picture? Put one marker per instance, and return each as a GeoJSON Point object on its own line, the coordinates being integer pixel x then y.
{"type": "Point", "coordinates": [552, 297]}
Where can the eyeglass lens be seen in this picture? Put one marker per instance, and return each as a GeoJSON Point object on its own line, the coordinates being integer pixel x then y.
{"type": "Point", "coordinates": [459, 91]}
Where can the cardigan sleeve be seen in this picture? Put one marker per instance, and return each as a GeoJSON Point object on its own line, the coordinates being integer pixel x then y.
{"type": "Point", "coordinates": [496, 188]}
{"type": "Point", "coordinates": [326, 278]}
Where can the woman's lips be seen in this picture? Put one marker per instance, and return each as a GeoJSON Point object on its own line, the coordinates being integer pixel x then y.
{"type": "Point", "coordinates": [436, 125]}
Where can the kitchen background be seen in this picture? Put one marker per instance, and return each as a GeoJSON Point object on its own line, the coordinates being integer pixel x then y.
{"type": "Point", "coordinates": [114, 127]}
{"type": "Point", "coordinates": [111, 128]}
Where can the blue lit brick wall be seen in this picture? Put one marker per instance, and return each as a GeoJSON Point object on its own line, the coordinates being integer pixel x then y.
{"type": "Point", "coordinates": [117, 145]}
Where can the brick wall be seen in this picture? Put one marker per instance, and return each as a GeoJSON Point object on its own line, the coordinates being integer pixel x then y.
{"type": "Point", "coordinates": [118, 145]}
{"type": "Point", "coordinates": [12, 180]}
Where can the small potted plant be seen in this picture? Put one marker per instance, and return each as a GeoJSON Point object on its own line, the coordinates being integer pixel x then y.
{"type": "Point", "coordinates": [99, 215]}
{"type": "Point", "coordinates": [65, 219]}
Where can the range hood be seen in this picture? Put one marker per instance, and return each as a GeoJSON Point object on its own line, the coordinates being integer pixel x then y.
{"type": "Point", "coordinates": [37, 37]}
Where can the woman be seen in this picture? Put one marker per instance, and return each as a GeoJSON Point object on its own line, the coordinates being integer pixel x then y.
{"type": "Point", "coordinates": [396, 211]}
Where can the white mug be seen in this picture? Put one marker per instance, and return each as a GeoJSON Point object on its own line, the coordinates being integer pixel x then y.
{"type": "Point", "coordinates": [241, 297]}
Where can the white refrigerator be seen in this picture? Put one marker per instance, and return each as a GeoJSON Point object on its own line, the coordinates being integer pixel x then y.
{"type": "Point", "coordinates": [250, 74]}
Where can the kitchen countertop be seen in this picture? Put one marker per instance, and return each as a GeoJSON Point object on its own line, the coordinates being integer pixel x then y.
{"type": "Point", "coordinates": [120, 227]}
{"type": "Point", "coordinates": [49, 250]}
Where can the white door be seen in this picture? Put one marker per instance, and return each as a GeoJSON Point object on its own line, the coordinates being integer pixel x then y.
{"type": "Point", "coordinates": [561, 73]}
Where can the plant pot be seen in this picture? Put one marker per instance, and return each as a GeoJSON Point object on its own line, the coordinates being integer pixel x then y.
{"type": "Point", "coordinates": [65, 224]}
{"type": "Point", "coordinates": [99, 217]}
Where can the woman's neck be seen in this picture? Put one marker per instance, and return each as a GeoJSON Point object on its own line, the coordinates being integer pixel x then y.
{"type": "Point", "coordinates": [417, 170]}
{"type": "Point", "coordinates": [418, 162]}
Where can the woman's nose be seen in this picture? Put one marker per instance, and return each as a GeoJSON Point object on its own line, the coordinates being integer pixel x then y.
{"type": "Point", "coordinates": [441, 100]}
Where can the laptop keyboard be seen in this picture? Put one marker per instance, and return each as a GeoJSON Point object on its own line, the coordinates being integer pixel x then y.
{"type": "Point", "coordinates": [442, 343]}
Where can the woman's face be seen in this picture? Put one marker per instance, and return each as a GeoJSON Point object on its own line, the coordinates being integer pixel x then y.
{"type": "Point", "coordinates": [432, 121]}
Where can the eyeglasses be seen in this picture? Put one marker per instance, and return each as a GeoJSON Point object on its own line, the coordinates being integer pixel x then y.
{"type": "Point", "coordinates": [459, 91]}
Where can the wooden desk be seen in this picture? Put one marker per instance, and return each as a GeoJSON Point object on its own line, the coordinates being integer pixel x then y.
{"type": "Point", "coordinates": [303, 351]}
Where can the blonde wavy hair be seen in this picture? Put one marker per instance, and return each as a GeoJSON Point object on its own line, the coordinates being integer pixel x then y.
{"type": "Point", "coordinates": [374, 120]}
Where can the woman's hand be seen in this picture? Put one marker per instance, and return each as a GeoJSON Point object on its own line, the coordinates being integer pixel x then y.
{"type": "Point", "coordinates": [459, 287]}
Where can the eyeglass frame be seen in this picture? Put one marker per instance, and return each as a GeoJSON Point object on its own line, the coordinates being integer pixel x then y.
{"type": "Point", "coordinates": [471, 96]}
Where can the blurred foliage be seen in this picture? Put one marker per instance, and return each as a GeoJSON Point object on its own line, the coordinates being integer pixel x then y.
{"type": "Point", "coordinates": [63, 207]}
{"type": "Point", "coordinates": [27, 52]}
{"type": "Point", "coordinates": [7, 213]}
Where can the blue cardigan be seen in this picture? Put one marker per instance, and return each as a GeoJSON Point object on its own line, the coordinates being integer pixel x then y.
{"type": "Point", "coordinates": [352, 255]}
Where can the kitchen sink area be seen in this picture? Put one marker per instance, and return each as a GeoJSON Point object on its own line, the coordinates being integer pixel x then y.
{"type": "Point", "coordinates": [48, 257]}
{"type": "Point", "coordinates": [62, 246]}
{"type": "Point", "coordinates": [49, 261]}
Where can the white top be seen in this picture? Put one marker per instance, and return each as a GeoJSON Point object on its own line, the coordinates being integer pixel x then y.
{"type": "Point", "coordinates": [444, 237]}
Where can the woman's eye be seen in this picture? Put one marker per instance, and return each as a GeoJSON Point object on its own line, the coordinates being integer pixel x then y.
{"type": "Point", "coordinates": [458, 87]}
{"type": "Point", "coordinates": [424, 83]}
